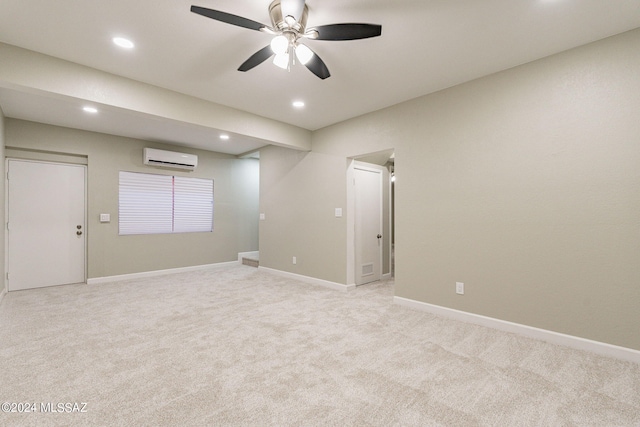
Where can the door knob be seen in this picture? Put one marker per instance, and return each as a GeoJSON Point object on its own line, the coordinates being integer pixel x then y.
{"type": "Point", "coordinates": [379, 236]}
{"type": "Point", "coordinates": [79, 232]}
{"type": "Point", "coordinates": [78, 227]}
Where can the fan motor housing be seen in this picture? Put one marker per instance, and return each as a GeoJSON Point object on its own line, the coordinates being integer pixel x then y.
{"type": "Point", "coordinates": [278, 21]}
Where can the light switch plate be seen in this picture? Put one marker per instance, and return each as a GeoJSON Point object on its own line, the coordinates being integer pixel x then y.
{"type": "Point", "coordinates": [105, 217]}
{"type": "Point", "coordinates": [338, 212]}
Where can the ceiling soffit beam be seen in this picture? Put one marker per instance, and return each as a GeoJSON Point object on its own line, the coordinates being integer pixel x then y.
{"type": "Point", "coordinates": [26, 70]}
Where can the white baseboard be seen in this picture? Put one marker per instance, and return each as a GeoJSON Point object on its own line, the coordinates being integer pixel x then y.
{"type": "Point", "coordinates": [571, 341]}
{"type": "Point", "coordinates": [385, 276]}
{"type": "Point", "coordinates": [250, 255]}
{"type": "Point", "coordinates": [143, 274]}
{"type": "Point", "coordinates": [2, 294]}
{"type": "Point", "coordinates": [307, 279]}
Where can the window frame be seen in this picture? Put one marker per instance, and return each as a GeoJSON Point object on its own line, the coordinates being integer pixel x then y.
{"type": "Point", "coordinates": [147, 204]}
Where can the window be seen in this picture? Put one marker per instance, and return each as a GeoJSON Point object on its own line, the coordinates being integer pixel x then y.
{"type": "Point", "coordinates": [154, 204]}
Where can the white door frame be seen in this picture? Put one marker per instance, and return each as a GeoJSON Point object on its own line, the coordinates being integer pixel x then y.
{"type": "Point", "coordinates": [6, 211]}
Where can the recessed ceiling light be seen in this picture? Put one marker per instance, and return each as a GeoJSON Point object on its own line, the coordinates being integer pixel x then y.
{"type": "Point", "coordinates": [91, 110]}
{"type": "Point", "coordinates": [298, 104]}
{"type": "Point", "coordinates": [224, 137]}
{"type": "Point", "coordinates": [122, 42]}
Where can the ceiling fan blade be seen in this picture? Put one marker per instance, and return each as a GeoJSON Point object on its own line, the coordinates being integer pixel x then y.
{"type": "Point", "coordinates": [292, 8]}
{"type": "Point", "coordinates": [318, 67]}
{"type": "Point", "coordinates": [227, 18]}
{"type": "Point", "coordinates": [347, 31]}
{"type": "Point", "coordinates": [256, 59]}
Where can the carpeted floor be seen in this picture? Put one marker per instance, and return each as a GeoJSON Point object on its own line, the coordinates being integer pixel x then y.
{"type": "Point", "coordinates": [238, 346]}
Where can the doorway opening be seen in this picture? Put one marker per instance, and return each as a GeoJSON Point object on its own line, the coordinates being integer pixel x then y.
{"type": "Point", "coordinates": [370, 231]}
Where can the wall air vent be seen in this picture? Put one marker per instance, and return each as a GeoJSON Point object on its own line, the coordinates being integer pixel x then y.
{"type": "Point", "coordinates": [367, 269]}
{"type": "Point", "coordinates": [169, 159]}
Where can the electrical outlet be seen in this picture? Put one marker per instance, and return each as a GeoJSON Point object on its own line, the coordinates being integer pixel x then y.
{"type": "Point", "coordinates": [459, 288]}
{"type": "Point", "coordinates": [295, 260]}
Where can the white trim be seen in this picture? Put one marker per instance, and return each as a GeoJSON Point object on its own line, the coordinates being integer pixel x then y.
{"type": "Point", "coordinates": [385, 276]}
{"type": "Point", "coordinates": [571, 341]}
{"type": "Point", "coordinates": [2, 294]}
{"type": "Point", "coordinates": [5, 280]}
{"type": "Point", "coordinates": [307, 279]}
{"type": "Point", "coordinates": [351, 224]}
{"type": "Point", "coordinates": [250, 255]}
{"type": "Point", "coordinates": [143, 274]}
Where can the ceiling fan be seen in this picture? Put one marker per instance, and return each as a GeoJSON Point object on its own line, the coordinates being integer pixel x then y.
{"type": "Point", "coordinates": [289, 27]}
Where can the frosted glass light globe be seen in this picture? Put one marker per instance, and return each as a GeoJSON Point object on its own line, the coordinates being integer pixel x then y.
{"type": "Point", "coordinates": [279, 45]}
{"type": "Point", "coordinates": [303, 53]}
{"type": "Point", "coordinates": [282, 60]}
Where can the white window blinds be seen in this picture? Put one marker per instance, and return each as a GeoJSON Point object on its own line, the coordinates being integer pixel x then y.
{"type": "Point", "coordinates": [152, 204]}
{"type": "Point", "coordinates": [192, 204]}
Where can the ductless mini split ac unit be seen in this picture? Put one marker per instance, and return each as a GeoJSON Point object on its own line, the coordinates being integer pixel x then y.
{"type": "Point", "coordinates": [169, 159]}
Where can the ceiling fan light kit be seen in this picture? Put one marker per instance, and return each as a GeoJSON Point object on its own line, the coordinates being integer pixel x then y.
{"type": "Point", "coordinates": [303, 53]}
{"type": "Point", "coordinates": [280, 44]}
{"type": "Point", "coordinates": [289, 26]}
{"type": "Point", "coordinates": [282, 60]}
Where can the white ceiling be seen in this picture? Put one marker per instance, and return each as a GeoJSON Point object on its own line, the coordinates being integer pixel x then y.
{"type": "Point", "coordinates": [426, 46]}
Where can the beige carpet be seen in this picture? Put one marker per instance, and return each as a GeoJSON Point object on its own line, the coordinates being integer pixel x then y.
{"type": "Point", "coordinates": [238, 346]}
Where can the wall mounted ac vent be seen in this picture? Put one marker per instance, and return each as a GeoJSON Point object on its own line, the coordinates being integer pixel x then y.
{"type": "Point", "coordinates": [367, 269]}
{"type": "Point", "coordinates": [169, 159]}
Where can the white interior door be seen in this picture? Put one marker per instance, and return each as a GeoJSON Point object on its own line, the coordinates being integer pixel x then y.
{"type": "Point", "coordinates": [368, 225]}
{"type": "Point", "coordinates": [46, 224]}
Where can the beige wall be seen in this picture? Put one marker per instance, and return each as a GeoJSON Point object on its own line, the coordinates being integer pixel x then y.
{"type": "Point", "coordinates": [235, 200]}
{"type": "Point", "coordinates": [524, 185]}
{"type": "Point", "coordinates": [299, 192]}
